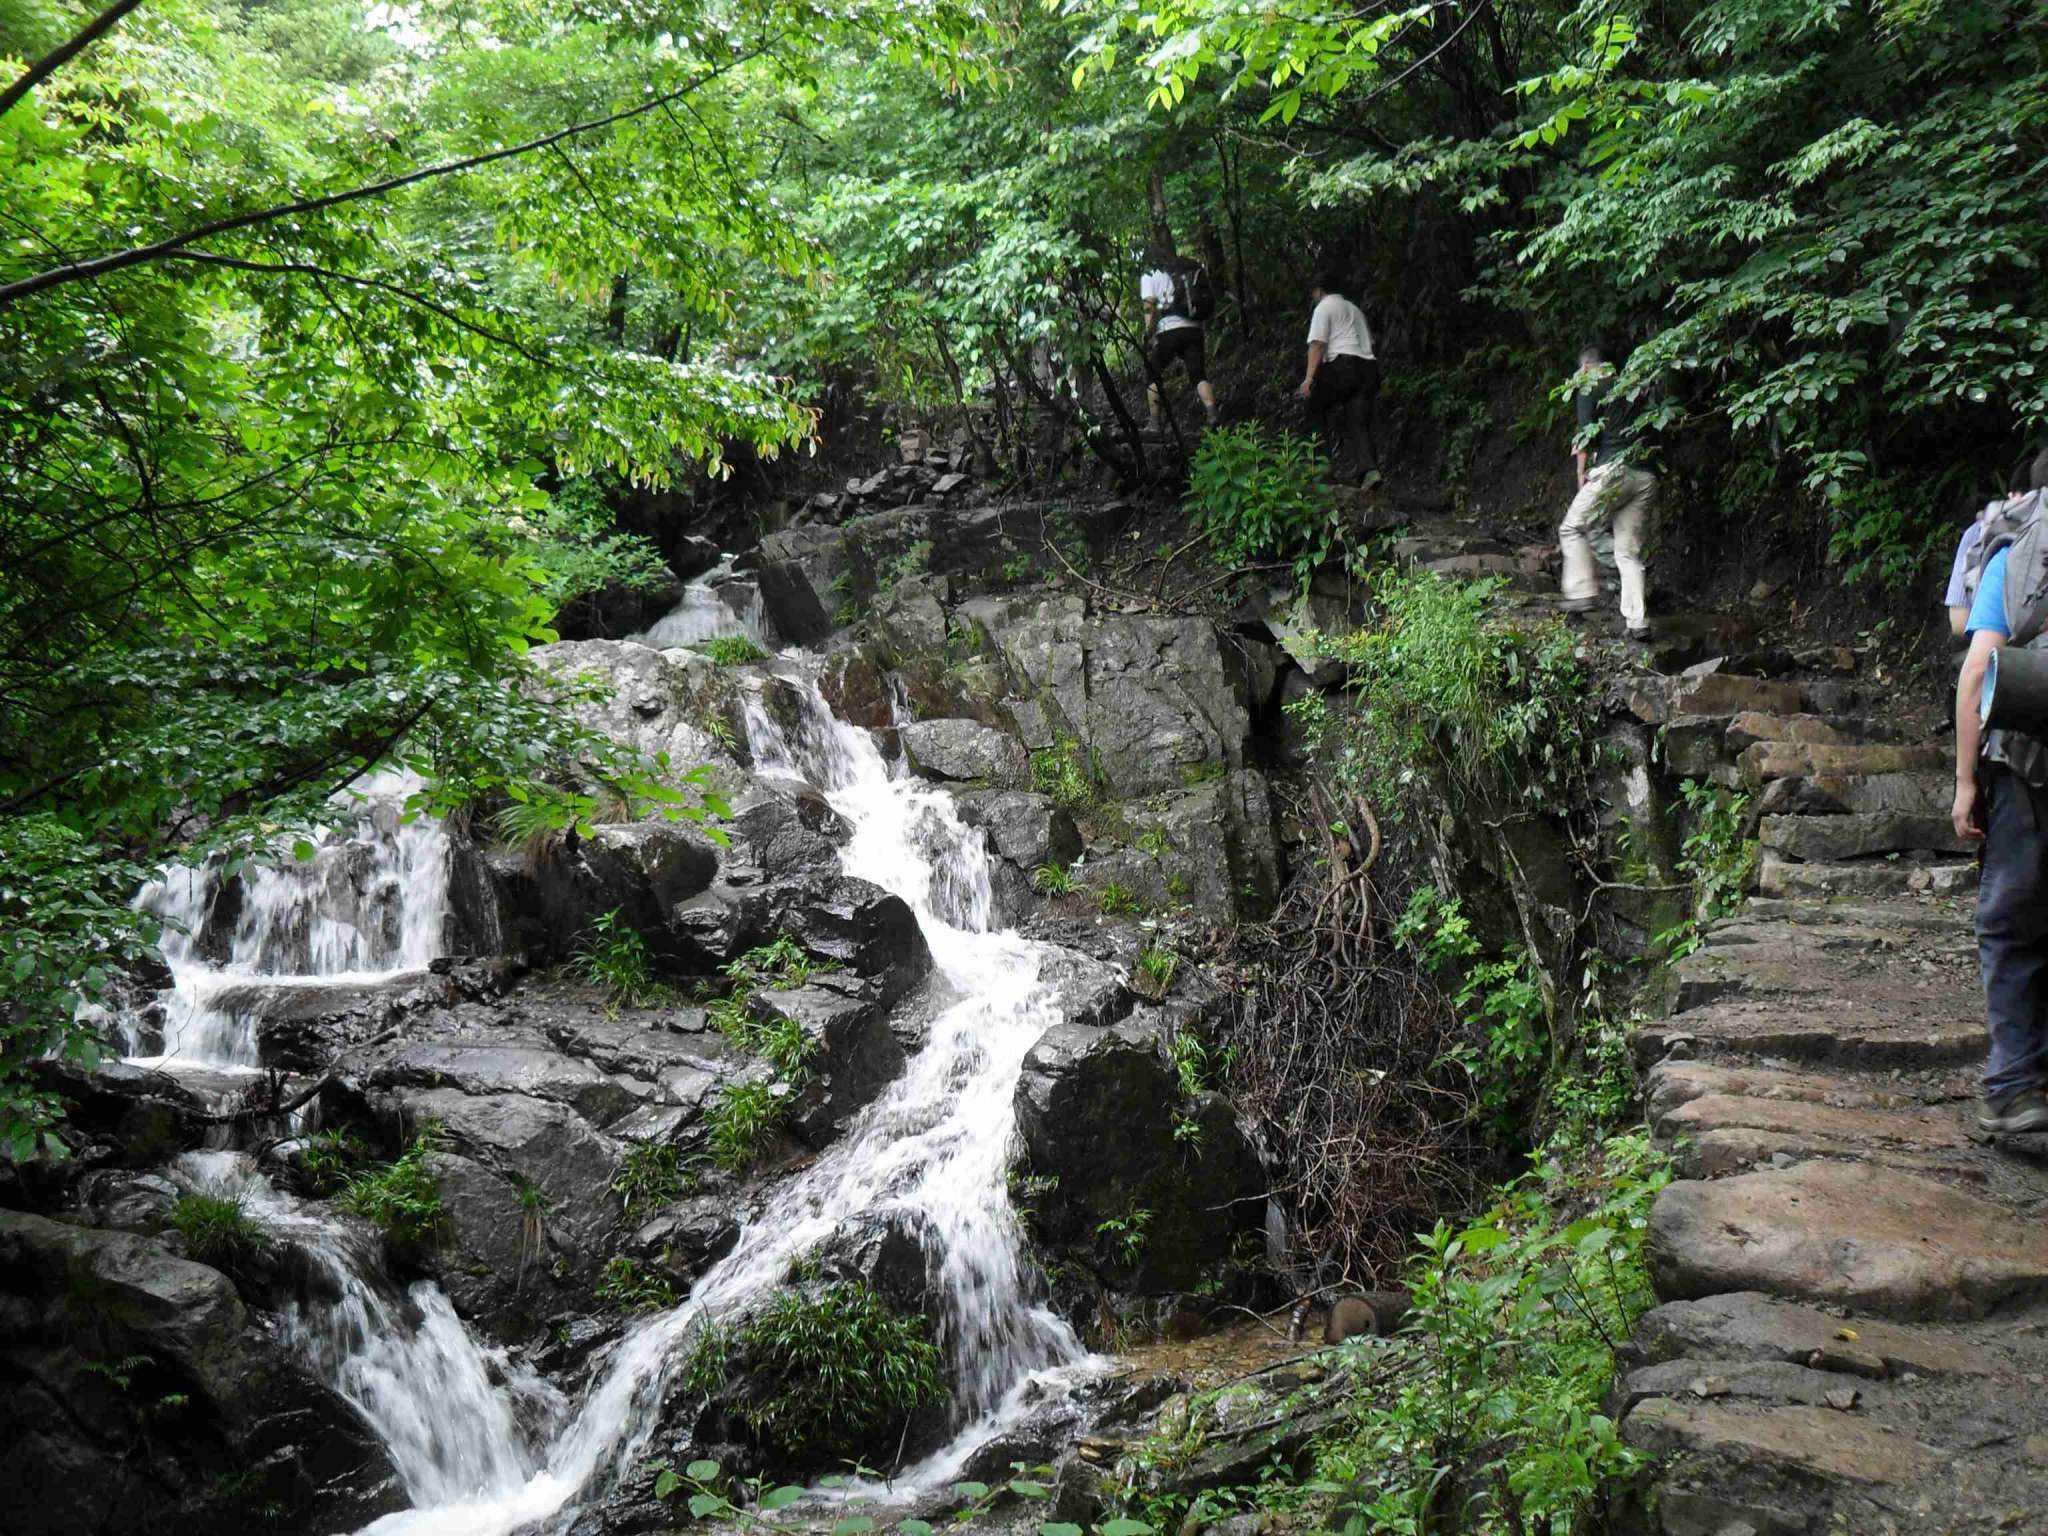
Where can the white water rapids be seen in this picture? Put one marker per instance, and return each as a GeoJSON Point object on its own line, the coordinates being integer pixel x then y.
{"type": "Point", "coordinates": [935, 1143]}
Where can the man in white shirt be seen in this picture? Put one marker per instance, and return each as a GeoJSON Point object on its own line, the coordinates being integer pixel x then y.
{"type": "Point", "coordinates": [1176, 336]}
{"type": "Point", "coordinates": [1343, 377]}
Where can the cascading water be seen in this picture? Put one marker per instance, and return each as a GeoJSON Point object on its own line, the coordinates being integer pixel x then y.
{"type": "Point", "coordinates": [369, 904]}
{"type": "Point", "coordinates": [935, 1143]}
{"type": "Point", "coordinates": [713, 607]}
{"type": "Point", "coordinates": [404, 1363]}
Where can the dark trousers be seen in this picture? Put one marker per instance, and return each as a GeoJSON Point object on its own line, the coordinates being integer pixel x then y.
{"type": "Point", "coordinates": [1341, 400]}
{"type": "Point", "coordinates": [2012, 930]}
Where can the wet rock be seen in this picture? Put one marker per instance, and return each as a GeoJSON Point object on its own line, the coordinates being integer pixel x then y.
{"type": "Point", "coordinates": [653, 701]}
{"type": "Point", "coordinates": [1151, 699]}
{"type": "Point", "coordinates": [141, 1398]}
{"type": "Point", "coordinates": [617, 610]}
{"type": "Point", "coordinates": [1829, 838]}
{"type": "Point", "coordinates": [1025, 832]}
{"type": "Point", "coordinates": [910, 618]}
{"type": "Point", "coordinates": [894, 1252]}
{"type": "Point", "coordinates": [1097, 1110]}
{"type": "Point", "coordinates": [856, 1052]}
{"type": "Point", "coordinates": [963, 751]}
{"type": "Point", "coordinates": [302, 1025]}
{"type": "Point", "coordinates": [646, 871]}
{"type": "Point", "coordinates": [1212, 847]}
{"type": "Point", "coordinates": [688, 1237]}
{"type": "Point", "coordinates": [792, 605]}
{"type": "Point", "coordinates": [847, 920]}
{"type": "Point", "coordinates": [135, 1116]}
{"type": "Point", "coordinates": [856, 684]}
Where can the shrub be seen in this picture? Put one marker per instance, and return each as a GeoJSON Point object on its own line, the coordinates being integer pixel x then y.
{"type": "Point", "coordinates": [613, 957]}
{"type": "Point", "coordinates": [732, 651]}
{"type": "Point", "coordinates": [1519, 1316]}
{"type": "Point", "coordinates": [779, 964]}
{"type": "Point", "coordinates": [849, 1370]}
{"type": "Point", "coordinates": [400, 1197]}
{"type": "Point", "coordinates": [1263, 496]}
{"type": "Point", "coordinates": [218, 1229]}
{"type": "Point", "coordinates": [1158, 965]}
{"type": "Point", "coordinates": [1124, 1235]}
{"type": "Point", "coordinates": [329, 1158]}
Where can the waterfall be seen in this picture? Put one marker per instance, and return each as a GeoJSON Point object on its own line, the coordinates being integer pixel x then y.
{"type": "Point", "coordinates": [714, 606]}
{"type": "Point", "coordinates": [404, 1362]}
{"type": "Point", "coordinates": [936, 1142]}
{"type": "Point", "coordinates": [372, 902]}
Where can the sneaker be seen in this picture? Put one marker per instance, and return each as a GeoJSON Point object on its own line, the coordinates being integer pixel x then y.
{"type": "Point", "coordinates": [2025, 1111]}
{"type": "Point", "coordinates": [1640, 633]}
{"type": "Point", "coordinates": [1578, 605]}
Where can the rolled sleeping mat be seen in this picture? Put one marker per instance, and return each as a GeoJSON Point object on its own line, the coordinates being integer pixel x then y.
{"type": "Point", "coordinates": [2016, 691]}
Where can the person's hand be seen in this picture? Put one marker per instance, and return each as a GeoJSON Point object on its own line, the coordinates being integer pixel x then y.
{"type": "Point", "coordinates": [1965, 813]}
{"type": "Point", "coordinates": [1303, 392]}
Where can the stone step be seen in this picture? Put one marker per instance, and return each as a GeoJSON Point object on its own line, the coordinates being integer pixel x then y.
{"type": "Point", "coordinates": [1910, 914]}
{"type": "Point", "coordinates": [1830, 839]}
{"type": "Point", "coordinates": [1729, 1133]}
{"type": "Point", "coordinates": [1854, 967]}
{"type": "Point", "coordinates": [1766, 760]}
{"type": "Point", "coordinates": [1659, 700]}
{"type": "Point", "coordinates": [1752, 1327]}
{"type": "Point", "coordinates": [1791, 1029]}
{"type": "Point", "coordinates": [1879, 877]}
{"type": "Point", "coordinates": [1833, 794]}
{"type": "Point", "coordinates": [1669, 1085]}
{"type": "Point", "coordinates": [1882, 1240]}
{"type": "Point", "coordinates": [1701, 746]}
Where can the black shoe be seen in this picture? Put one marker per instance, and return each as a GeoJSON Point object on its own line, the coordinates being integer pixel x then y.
{"type": "Point", "coordinates": [2025, 1111]}
{"type": "Point", "coordinates": [1640, 633]}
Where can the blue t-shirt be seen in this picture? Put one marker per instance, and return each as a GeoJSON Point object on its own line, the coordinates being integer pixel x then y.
{"type": "Point", "coordinates": [1958, 593]}
{"type": "Point", "coordinates": [1988, 611]}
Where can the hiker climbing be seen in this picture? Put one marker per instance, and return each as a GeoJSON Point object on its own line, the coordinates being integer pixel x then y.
{"type": "Point", "coordinates": [1179, 299]}
{"type": "Point", "coordinates": [1343, 377]}
{"type": "Point", "coordinates": [2002, 801]}
{"type": "Point", "coordinates": [1615, 491]}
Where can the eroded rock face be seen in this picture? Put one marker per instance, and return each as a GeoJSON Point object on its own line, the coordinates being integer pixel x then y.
{"type": "Point", "coordinates": [1212, 847]}
{"type": "Point", "coordinates": [143, 1399]}
{"type": "Point", "coordinates": [1097, 1110]}
{"type": "Point", "coordinates": [964, 751]}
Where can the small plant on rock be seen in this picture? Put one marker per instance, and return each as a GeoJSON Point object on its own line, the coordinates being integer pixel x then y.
{"type": "Point", "coordinates": [1125, 1235]}
{"type": "Point", "coordinates": [401, 1197]}
{"type": "Point", "coordinates": [743, 1120]}
{"type": "Point", "coordinates": [613, 957]}
{"type": "Point", "coordinates": [1262, 496]}
{"type": "Point", "coordinates": [218, 1229]}
{"type": "Point", "coordinates": [1158, 965]}
{"type": "Point", "coordinates": [650, 1175]}
{"type": "Point", "coordinates": [1061, 772]}
{"type": "Point", "coordinates": [732, 651]}
{"type": "Point", "coordinates": [1053, 880]}
{"type": "Point", "coordinates": [1117, 900]}
{"type": "Point", "coordinates": [329, 1158]}
{"type": "Point", "coordinates": [630, 1286]}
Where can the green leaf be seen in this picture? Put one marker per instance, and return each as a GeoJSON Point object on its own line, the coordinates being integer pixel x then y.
{"type": "Point", "coordinates": [783, 1497]}
{"type": "Point", "coordinates": [853, 1525]}
{"type": "Point", "coordinates": [702, 1471]}
{"type": "Point", "coordinates": [666, 1483]}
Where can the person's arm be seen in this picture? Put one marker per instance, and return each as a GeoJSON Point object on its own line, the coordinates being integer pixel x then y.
{"type": "Point", "coordinates": [1315, 361]}
{"type": "Point", "coordinates": [1584, 408]}
{"type": "Point", "coordinates": [1579, 458]}
{"type": "Point", "coordinates": [1969, 729]}
{"type": "Point", "coordinates": [1151, 318]}
{"type": "Point", "coordinates": [1959, 619]}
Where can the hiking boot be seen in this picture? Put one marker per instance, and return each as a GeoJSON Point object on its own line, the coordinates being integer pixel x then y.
{"type": "Point", "coordinates": [1578, 604]}
{"type": "Point", "coordinates": [2025, 1111]}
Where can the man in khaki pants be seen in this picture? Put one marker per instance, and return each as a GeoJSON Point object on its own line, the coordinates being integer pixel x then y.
{"type": "Point", "coordinates": [1613, 493]}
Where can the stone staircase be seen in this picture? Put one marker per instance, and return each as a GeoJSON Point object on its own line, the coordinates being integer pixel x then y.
{"type": "Point", "coordinates": [1853, 1329]}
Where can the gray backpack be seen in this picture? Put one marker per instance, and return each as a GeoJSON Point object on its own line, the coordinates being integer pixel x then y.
{"type": "Point", "coordinates": [2017, 525]}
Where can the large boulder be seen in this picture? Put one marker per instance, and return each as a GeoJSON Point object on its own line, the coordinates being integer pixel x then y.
{"type": "Point", "coordinates": [142, 1397]}
{"type": "Point", "coordinates": [1154, 701]}
{"type": "Point", "coordinates": [646, 871]}
{"type": "Point", "coordinates": [1024, 832]}
{"type": "Point", "coordinates": [1212, 847]}
{"type": "Point", "coordinates": [1146, 1185]}
{"type": "Point", "coordinates": [965, 752]}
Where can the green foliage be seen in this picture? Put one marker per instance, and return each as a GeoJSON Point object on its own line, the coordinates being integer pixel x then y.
{"type": "Point", "coordinates": [651, 1175]}
{"type": "Point", "coordinates": [1124, 1236]}
{"type": "Point", "coordinates": [629, 1286]}
{"type": "Point", "coordinates": [298, 430]}
{"type": "Point", "coordinates": [779, 965]}
{"type": "Point", "coordinates": [914, 561]}
{"type": "Point", "coordinates": [613, 957]}
{"type": "Point", "coordinates": [330, 1158]}
{"type": "Point", "coordinates": [1715, 857]}
{"type": "Point", "coordinates": [732, 651]}
{"type": "Point", "coordinates": [401, 1197]}
{"type": "Point", "coordinates": [1116, 899]}
{"type": "Point", "coordinates": [1503, 998]}
{"type": "Point", "coordinates": [1053, 880]}
{"type": "Point", "coordinates": [1262, 496]}
{"type": "Point", "coordinates": [743, 1119]}
{"type": "Point", "coordinates": [1517, 1319]}
{"type": "Point", "coordinates": [1447, 696]}
{"type": "Point", "coordinates": [1061, 771]}
{"type": "Point", "coordinates": [218, 1229]}
{"type": "Point", "coordinates": [1153, 841]}
{"type": "Point", "coordinates": [1158, 965]}
{"type": "Point", "coordinates": [849, 1370]}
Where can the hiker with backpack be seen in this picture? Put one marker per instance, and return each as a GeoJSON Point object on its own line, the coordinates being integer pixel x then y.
{"type": "Point", "coordinates": [1616, 490]}
{"type": "Point", "coordinates": [1179, 299]}
{"type": "Point", "coordinates": [2002, 801]}
{"type": "Point", "coordinates": [1343, 378]}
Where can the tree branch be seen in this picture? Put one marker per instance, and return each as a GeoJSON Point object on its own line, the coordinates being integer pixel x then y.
{"type": "Point", "coordinates": [116, 261]}
{"type": "Point", "coordinates": [64, 53]}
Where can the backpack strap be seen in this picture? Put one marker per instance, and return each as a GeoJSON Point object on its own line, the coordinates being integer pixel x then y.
{"type": "Point", "coordinates": [2026, 572]}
